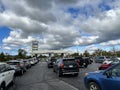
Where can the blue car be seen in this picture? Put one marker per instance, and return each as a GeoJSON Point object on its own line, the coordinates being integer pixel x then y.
{"type": "Point", "coordinates": [108, 79]}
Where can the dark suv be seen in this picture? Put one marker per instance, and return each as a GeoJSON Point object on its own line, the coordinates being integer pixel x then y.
{"type": "Point", "coordinates": [83, 61]}
{"type": "Point", "coordinates": [66, 66]}
{"type": "Point", "coordinates": [50, 62]}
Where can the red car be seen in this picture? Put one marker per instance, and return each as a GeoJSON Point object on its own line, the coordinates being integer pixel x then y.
{"type": "Point", "coordinates": [104, 66]}
{"type": "Point", "coordinates": [107, 65]}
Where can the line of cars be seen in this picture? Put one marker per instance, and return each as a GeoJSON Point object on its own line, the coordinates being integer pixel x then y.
{"type": "Point", "coordinates": [20, 66]}
{"type": "Point", "coordinates": [10, 69]}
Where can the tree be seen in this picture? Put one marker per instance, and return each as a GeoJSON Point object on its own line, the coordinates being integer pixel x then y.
{"type": "Point", "coordinates": [22, 53]}
{"type": "Point", "coordinates": [2, 56]}
{"type": "Point", "coordinates": [86, 54]}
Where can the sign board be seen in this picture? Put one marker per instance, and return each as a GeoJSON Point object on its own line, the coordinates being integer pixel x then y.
{"type": "Point", "coordinates": [34, 45]}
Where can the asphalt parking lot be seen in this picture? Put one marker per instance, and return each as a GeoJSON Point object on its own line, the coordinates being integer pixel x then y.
{"type": "Point", "coordinates": [39, 77]}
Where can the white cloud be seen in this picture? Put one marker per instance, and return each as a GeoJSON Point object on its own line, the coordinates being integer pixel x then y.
{"type": "Point", "coordinates": [111, 43]}
{"type": "Point", "coordinates": [50, 22]}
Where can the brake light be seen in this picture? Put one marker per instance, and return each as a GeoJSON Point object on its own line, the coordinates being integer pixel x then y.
{"type": "Point", "coordinates": [78, 61]}
{"type": "Point", "coordinates": [19, 65]}
{"type": "Point", "coordinates": [62, 65]}
{"type": "Point", "coordinates": [78, 65]}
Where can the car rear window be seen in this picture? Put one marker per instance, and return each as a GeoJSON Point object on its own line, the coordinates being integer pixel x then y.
{"type": "Point", "coordinates": [69, 61]}
{"type": "Point", "coordinates": [53, 60]}
{"type": "Point", "coordinates": [78, 57]}
{"type": "Point", "coordinates": [101, 57]}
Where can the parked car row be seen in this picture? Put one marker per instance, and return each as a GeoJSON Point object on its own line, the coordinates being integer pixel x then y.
{"type": "Point", "coordinates": [20, 66]}
{"type": "Point", "coordinates": [10, 69]}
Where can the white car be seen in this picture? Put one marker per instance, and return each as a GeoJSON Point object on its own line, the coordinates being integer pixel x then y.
{"type": "Point", "coordinates": [107, 62]}
{"type": "Point", "coordinates": [6, 75]}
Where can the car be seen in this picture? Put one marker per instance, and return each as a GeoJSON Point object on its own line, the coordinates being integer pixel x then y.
{"type": "Point", "coordinates": [66, 66]}
{"type": "Point", "coordinates": [51, 62]}
{"type": "Point", "coordinates": [83, 61]}
{"type": "Point", "coordinates": [108, 79]}
{"type": "Point", "coordinates": [104, 66]}
{"type": "Point", "coordinates": [32, 62]}
{"type": "Point", "coordinates": [107, 63]}
{"type": "Point", "coordinates": [18, 65]}
{"type": "Point", "coordinates": [27, 63]}
{"type": "Point", "coordinates": [101, 59]}
{"type": "Point", "coordinates": [6, 75]}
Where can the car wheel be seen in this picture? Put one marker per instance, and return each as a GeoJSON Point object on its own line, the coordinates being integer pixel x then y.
{"type": "Point", "coordinates": [13, 81]}
{"type": "Point", "coordinates": [53, 70]}
{"type": "Point", "coordinates": [76, 74]}
{"type": "Point", "coordinates": [59, 73]}
{"type": "Point", "coordinates": [94, 86]}
{"type": "Point", "coordinates": [21, 73]}
{"type": "Point", "coordinates": [2, 87]}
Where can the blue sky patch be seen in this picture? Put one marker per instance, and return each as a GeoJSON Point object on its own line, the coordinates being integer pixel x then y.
{"type": "Point", "coordinates": [4, 32]}
{"type": "Point", "coordinates": [74, 11]}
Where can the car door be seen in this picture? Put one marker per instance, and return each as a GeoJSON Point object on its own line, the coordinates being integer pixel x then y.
{"type": "Point", "coordinates": [10, 72]}
{"type": "Point", "coordinates": [5, 74]}
{"type": "Point", "coordinates": [113, 81]}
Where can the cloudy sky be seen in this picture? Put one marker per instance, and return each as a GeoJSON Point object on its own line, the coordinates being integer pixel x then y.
{"type": "Point", "coordinates": [59, 24]}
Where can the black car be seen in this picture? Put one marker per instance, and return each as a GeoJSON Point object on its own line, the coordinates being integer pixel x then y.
{"type": "Point", "coordinates": [50, 62]}
{"type": "Point", "coordinates": [66, 66]}
{"type": "Point", "coordinates": [83, 61]}
{"type": "Point", "coordinates": [18, 65]}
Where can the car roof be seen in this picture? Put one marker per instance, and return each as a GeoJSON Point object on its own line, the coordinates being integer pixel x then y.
{"type": "Point", "coordinates": [2, 63]}
{"type": "Point", "coordinates": [68, 58]}
{"type": "Point", "coordinates": [14, 61]}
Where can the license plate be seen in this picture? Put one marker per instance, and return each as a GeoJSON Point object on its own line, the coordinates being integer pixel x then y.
{"type": "Point", "coordinates": [70, 66]}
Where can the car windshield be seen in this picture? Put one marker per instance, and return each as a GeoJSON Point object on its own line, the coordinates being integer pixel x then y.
{"type": "Point", "coordinates": [53, 60]}
{"type": "Point", "coordinates": [101, 57]}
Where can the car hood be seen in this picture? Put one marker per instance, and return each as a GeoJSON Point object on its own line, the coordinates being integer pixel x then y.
{"type": "Point", "coordinates": [96, 72]}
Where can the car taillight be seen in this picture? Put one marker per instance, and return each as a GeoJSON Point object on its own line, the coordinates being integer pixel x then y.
{"type": "Point", "coordinates": [19, 65]}
{"type": "Point", "coordinates": [78, 65]}
{"type": "Point", "coordinates": [62, 65]}
{"type": "Point", "coordinates": [78, 61]}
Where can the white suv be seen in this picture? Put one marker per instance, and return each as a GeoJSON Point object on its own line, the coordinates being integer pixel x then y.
{"type": "Point", "coordinates": [6, 75]}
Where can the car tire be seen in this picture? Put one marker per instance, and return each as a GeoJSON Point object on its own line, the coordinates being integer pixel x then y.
{"type": "Point", "coordinates": [53, 70]}
{"type": "Point", "coordinates": [2, 87]}
{"type": "Point", "coordinates": [59, 73]}
{"type": "Point", "coordinates": [13, 81]}
{"type": "Point", "coordinates": [93, 86]}
{"type": "Point", "coordinates": [21, 73]}
{"type": "Point", "coordinates": [76, 74]}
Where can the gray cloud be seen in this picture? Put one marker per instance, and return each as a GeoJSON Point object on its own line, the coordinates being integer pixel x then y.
{"type": "Point", "coordinates": [49, 22]}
